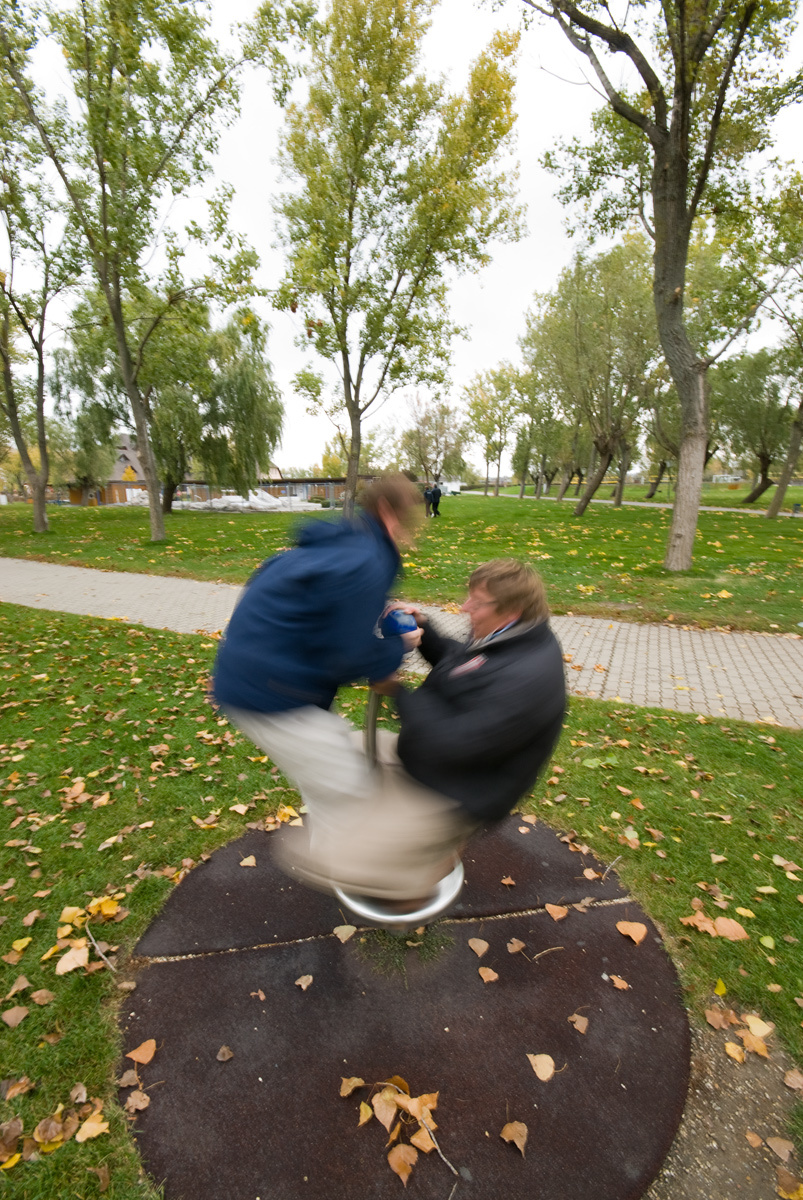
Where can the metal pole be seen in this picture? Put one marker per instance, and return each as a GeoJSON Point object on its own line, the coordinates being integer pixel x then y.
{"type": "Point", "coordinates": [371, 715]}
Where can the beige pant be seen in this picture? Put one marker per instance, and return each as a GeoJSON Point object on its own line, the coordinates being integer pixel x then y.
{"type": "Point", "coordinates": [372, 830]}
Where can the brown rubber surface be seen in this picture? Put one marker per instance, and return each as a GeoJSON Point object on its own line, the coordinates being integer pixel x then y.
{"type": "Point", "coordinates": [270, 1124]}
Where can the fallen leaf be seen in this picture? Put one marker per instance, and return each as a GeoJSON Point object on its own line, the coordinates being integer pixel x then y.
{"type": "Point", "coordinates": [402, 1159]}
{"type": "Point", "coordinates": [580, 1023]}
{"type": "Point", "coordinates": [515, 1132]}
{"type": "Point", "coordinates": [136, 1101]}
{"type": "Point", "coordinates": [128, 1079]}
{"type": "Point", "coordinates": [366, 1112]}
{"type": "Point", "coordinates": [78, 956]}
{"type": "Point", "coordinates": [789, 1186]}
{"type": "Point", "coordinates": [102, 1173]}
{"type": "Point", "coordinates": [700, 921]}
{"type": "Point", "coordinates": [224, 1054]}
{"type": "Point", "coordinates": [260, 995]}
{"type": "Point", "coordinates": [752, 1043]}
{"type": "Point", "coordinates": [240, 809]}
{"type": "Point", "coordinates": [92, 1127]}
{"type": "Point", "coordinates": [11, 1088]}
{"type": "Point", "coordinates": [250, 861]}
{"type": "Point", "coordinates": [508, 882]}
{"type": "Point", "coordinates": [350, 1084]}
{"type": "Point", "coordinates": [621, 984]}
{"type": "Point", "coordinates": [303, 982]}
{"type": "Point", "coordinates": [728, 928]}
{"type": "Point", "coordinates": [794, 1079]}
{"type": "Point", "coordinates": [781, 1147]}
{"type": "Point", "coordinates": [144, 1052]}
{"type": "Point", "coordinates": [774, 987]}
{"type": "Point", "coordinates": [13, 1016]}
{"type": "Point", "coordinates": [632, 929]}
{"type": "Point", "coordinates": [734, 1051]}
{"type": "Point", "coordinates": [385, 1106]}
{"type": "Point", "coordinates": [720, 989]}
{"type": "Point", "coordinates": [478, 946]}
{"type": "Point", "coordinates": [759, 1028]}
{"type": "Point", "coordinates": [543, 1065]}
{"type": "Point", "coordinates": [422, 1140]}
{"type": "Point", "coordinates": [721, 1018]}
{"type": "Point", "coordinates": [718, 858]}
{"type": "Point", "coordinates": [487, 975]}
{"type": "Point", "coordinates": [344, 932]}
{"type": "Point", "coordinates": [590, 873]}
{"type": "Point", "coordinates": [556, 911]}
{"type": "Point", "coordinates": [78, 1093]}
{"type": "Point", "coordinates": [42, 996]}
{"type": "Point", "coordinates": [515, 945]}
{"type": "Point", "coordinates": [19, 985]}
{"type": "Point", "coordinates": [754, 1140]}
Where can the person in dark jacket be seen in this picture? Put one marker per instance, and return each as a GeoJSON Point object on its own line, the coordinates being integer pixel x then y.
{"type": "Point", "coordinates": [427, 501]}
{"type": "Point", "coordinates": [436, 500]}
{"type": "Point", "coordinates": [305, 625]}
{"type": "Point", "coordinates": [486, 719]}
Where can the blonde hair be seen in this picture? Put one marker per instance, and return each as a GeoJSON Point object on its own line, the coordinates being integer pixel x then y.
{"type": "Point", "coordinates": [515, 587]}
{"type": "Point", "coordinates": [402, 496]}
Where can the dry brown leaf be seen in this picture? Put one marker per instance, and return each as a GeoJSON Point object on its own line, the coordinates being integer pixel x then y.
{"type": "Point", "coordinates": [19, 985]}
{"type": "Point", "coordinates": [756, 1026]}
{"type": "Point", "coordinates": [366, 1112]}
{"type": "Point", "coordinates": [224, 1054]}
{"type": "Point", "coordinates": [515, 1132]}
{"type": "Point", "coordinates": [794, 1079]}
{"type": "Point", "coordinates": [543, 1065]}
{"type": "Point", "coordinates": [78, 1093]}
{"type": "Point", "coordinates": [77, 956]}
{"type": "Point", "coordinates": [728, 928]}
{"type": "Point", "coordinates": [508, 882]}
{"type": "Point", "coordinates": [402, 1159]}
{"type": "Point", "coordinates": [102, 1173]}
{"type": "Point", "coordinates": [755, 1044]}
{"type": "Point", "coordinates": [13, 1016]}
{"type": "Point", "coordinates": [303, 982]}
{"type": "Point", "coordinates": [385, 1107]}
{"type": "Point", "coordinates": [11, 1088]}
{"type": "Point", "coordinates": [632, 929]}
{"type": "Point", "coordinates": [344, 932]}
{"type": "Point", "coordinates": [515, 945]}
{"type": "Point", "coordinates": [394, 1133]}
{"type": "Point", "coordinates": [487, 975]}
{"type": "Point", "coordinates": [621, 984]}
{"type": "Point", "coordinates": [92, 1127]}
{"type": "Point", "coordinates": [590, 873]}
{"type": "Point", "coordinates": [42, 996]}
{"type": "Point", "coordinates": [144, 1052]}
{"type": "Point", "coordinates": [422, 1140]}
{"type": "Point", "coordinates": [556, 911]}
{"type": "Point", "coordinates": [478, 946]}
{"type": "Point", "coordinates": [136, 1101]}
{"type": "Point", "coordinates": [580, 1022]}
{"type": "Point", "coordinates": [350, 1084]}
{"type": "Point", "coordinates": [48, 1130]}
{"type": "Point", "coordinates": [754, 1139]}
{"type": "Point", "coordinates": [781, 1147]}
{"type": "Point", "coordinates": [789, 1186]}
{"type": "Point", "coordinates": [700, 921]}
{"type": "Point", "coordinates": [128, 1079]}
{"type": "Point", "coordinates": [735, 1052]}
{"type": "Point", "coordinates": [249, 861]}
{"type": "Point", "coordinates": [400, 1083]}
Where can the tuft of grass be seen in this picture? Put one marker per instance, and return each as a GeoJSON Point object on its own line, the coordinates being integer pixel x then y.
{"type": "Point", "coordinates": [388, 953]}
{"type": "Point", "coordinates": [746, 572]}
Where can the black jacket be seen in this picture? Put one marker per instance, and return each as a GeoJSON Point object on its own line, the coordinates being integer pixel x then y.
{"type": "Point", "coordinates": [486, 718]}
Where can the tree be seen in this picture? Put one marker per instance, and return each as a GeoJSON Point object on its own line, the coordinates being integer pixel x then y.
{"type": "Point", "coordinates": [492, 409]}
{"type": "Point", "coordinates": [42, 263]}
{"type": "Point", "coordinates": [756, 414]}
{"type": "Point", "coordinates": [394, 183]}
{"type": "Point", "coordinates": [709, 83]}
{"type": "Point", "coordinates": [592, 342]}
{"type": "Point", "coordinates": [433, 442]}
{"type": "Point", "coordinates": [149, 90]}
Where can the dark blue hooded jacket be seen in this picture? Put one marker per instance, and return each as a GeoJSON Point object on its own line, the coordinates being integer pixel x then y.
{"type": "Point", "coordinates": [305, 623]}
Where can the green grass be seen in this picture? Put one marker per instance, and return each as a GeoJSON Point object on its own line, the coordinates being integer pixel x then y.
{"type": "Point", "coordinates": [746, 573]}
{"type": "Point", "coordinates": [83, 698]}
{"type": "Point", "coordinates": [719, 495]}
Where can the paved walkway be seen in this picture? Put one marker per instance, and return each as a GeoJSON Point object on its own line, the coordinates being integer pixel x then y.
{"type": "Point", "coordinates": [747, 676]}
{"type": "Point", "coordinates": [568, 499]}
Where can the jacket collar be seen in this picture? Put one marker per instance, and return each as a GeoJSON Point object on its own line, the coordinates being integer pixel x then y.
{"type": "Point", "coordinates": [518, 630]}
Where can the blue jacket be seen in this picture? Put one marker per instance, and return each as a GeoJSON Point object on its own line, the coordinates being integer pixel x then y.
{"type": "Point", "coordinates": [304, 624]}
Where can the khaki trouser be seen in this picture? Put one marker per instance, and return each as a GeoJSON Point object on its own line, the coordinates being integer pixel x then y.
{"type": "Point", "coordinates": [372, 830]}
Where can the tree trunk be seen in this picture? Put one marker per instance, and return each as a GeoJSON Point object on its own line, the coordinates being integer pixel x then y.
{"type": "Point", "coordinates": [538, 482]}
{"type": "Point", "coordinates": [564, 485]}
{"type": "Point", "coordinates": [763, 481]}
{"type": "Point", "coordinates": [39, 506]}
{"type": "Point", "coordinates": [657, 481]}
{"type": "Point", "coordinates": [792, 455]}
{"type": "Point", "coordinates": [548, 477]}
{"type": "Point", "coordinates": [352, 470]}
{"type": "Point", "coordinates": [580, 478]}
{"type": "Point", "coordinates": [624, 467]}
{"type": "Point", "coordinates": [487, 473]}
{"type": "Point", "coordinates": [498, 472]}
{"type": "Point", "coordinates": [594, 481]}
{"type": "Point", "coordinates": [168, 492]}
{"type": "Point", "coordinates": [522, 486]}
{"type": "Point", "coordinates": [84, 495]}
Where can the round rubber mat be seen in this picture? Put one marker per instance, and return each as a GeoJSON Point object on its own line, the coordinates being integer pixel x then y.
{"type": "Point", "coordinates": [220, 967]}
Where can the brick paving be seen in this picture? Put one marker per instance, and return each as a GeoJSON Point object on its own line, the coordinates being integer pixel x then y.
{"type": "Point", "coordinates": [743, 676]}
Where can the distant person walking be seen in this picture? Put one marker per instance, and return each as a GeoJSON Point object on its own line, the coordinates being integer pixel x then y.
{"type": "Point", "coordinates": [436, 499]}
{"type": "Point", "coordinates": [428, 501]}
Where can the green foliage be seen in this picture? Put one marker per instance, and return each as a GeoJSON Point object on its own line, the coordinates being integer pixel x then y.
{"type": "Point", "coordinates": [756, 415]}
{"type": "Point", "coordinates": [394, 181]}
{"type": "Point", "coordinates": [432, 444]}
{"type": "Point", "coordinates": [492, 401]}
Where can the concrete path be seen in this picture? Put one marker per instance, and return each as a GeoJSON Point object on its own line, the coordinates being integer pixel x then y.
{"type": "Point", "coordinates": [750, 512]}
{"type": "Point", "coordinates": [746, 676]}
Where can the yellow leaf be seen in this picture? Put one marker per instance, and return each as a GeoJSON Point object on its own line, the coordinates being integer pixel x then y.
{"type": "Point", "coordinates": [70, 915]}
{"type": "Point", "coordinates": [632, 929]}
{"type": "Point", "coordinates": [144, 1052]}
{"type": "Point", "coordinates": [757, 1027]}
{"type": "Point", "coordinates": [92, 1127]}
{"type": "Point", "coordinates": [734, 1051]}
{"type": "Point", "coordinates": [10, 1162]}
{"type": "Point", "coordinates": [516, 1132]}
{"type": "Point", "coordinates": [402, 1159]}
{"type": "Point", "coordinates": [543, 1065]}
{"type": "Point", "coordinates": [49, 953]}
{"type": "Point", "coordinates": [21, 943]}
{"type": "Point", "coordinates": [240, 809]}
{"type": "Point", "coordinates": [250, 861]}
{"type": "Point", "coordinates": [344, 932]}
{"type": "Point", "coordinates": [720, 988]}
{"type": "Point", "coordinates": [78, 956]}
{"type": "Point", "coordinates": [366, 1112]}
{"type": "Point", "coordinates": [350, 1084]}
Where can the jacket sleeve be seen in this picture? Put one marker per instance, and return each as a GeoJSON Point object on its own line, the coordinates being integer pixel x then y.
{"type": "Point", "coordinates": [434, 645]}
{"type": "Point", "coordinates": [355, 650]}
{"type": "Point", "coordinates": [440, 736]}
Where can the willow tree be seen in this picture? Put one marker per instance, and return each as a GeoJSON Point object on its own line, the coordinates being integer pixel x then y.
{"type": "Point", "coordinates": [705, 82]}
{"type": "Point", "coordinates": [395, 185]}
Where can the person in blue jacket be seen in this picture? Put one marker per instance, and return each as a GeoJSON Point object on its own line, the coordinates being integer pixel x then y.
{"type": "Point", "coordinates": [304, 626]}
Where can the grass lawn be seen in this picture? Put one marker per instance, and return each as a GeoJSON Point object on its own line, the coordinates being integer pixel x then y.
{"type": "Point", "coordinates": [747, 572]}
{"type": "Point", "coordinates": [719, 495]}
{"type": "Point", "coordinates": [117, 776]}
